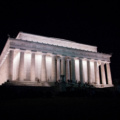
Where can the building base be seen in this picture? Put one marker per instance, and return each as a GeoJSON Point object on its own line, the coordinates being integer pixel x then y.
{"type": "Point", "coordinates": [50, 84]}
{"type": "Point", "coordinates": [30, 83]}
{"type": "Point", "coordinates": [102, 85]}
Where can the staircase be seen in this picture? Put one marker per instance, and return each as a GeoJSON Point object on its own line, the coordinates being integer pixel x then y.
{"type": "Point", "coordinates": [28, 83]}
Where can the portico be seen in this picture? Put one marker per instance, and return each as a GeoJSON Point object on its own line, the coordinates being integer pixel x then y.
{"type": "Point", "coordinates": [30, 59]}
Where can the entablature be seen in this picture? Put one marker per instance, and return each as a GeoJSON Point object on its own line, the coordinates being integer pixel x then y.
{"type": "Point", "coordinates": [47, 48]}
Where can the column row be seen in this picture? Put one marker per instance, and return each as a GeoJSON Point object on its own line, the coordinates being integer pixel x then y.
{"type": "Point", "coordinates": [75, 69]}
{"type": "Point", "coordinates": [85, 71]}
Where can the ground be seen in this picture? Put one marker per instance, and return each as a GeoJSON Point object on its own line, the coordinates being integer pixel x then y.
{"type": "Point", "coordinates": [58, 107]}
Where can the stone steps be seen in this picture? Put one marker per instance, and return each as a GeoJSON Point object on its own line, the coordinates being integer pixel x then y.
{"type": "Point", "coordinates": [29, 83]}
{"type": "Point", "coordinates": [102, 85]}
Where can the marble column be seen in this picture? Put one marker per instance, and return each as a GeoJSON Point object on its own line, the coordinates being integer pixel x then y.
{"type": "Point", "coordinates": [21, 66]}
{"type": "Point", "coordinates": [32, 67]}
{"type": "Point", "coordinates": [97, 77]}
{"type": "Point", "coordinates": [81, 71]}
{"type": "Point", "coordinates": [77, 72]}
{"type": "Point", "coordinates": [109, 77]}
{"type": "Point", "coordinates": [103, 74]}
{"type": "Point", "coordinates": [43, 68]}
{"type": "Point", "coordinates": [73, 69]}
{"type": "Point", "coordinates": [11, 65]}
{"type": "Point", "coordinates": [53, 69]}
{"type": "Point", "coordinates": [89, 73]}
{"type": "Point", "coordinates": [67, 69]}
{"type": "Point", "coordinates": [62, 65]}
{"type": "Point", "coordinates": [84, 69]}
{"type": "Point", "coordinates": [58, 68]}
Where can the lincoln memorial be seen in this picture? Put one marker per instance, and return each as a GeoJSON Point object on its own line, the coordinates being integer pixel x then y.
{"type": "Point", "coordinates": [42, 61]}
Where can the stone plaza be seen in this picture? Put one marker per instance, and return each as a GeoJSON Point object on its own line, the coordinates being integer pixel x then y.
{"type": "Point", "coordinates": [41, 61]}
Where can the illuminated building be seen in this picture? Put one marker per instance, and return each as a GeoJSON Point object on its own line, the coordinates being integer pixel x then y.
{"type": "Point", "coordinates": [41, 61]}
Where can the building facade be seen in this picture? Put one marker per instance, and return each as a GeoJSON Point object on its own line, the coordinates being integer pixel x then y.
{"type": "Point", "coordinates": [42, 61]}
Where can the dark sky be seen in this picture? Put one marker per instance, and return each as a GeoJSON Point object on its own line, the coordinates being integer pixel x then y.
{"type": "Point", "coordinates": [95, 23]}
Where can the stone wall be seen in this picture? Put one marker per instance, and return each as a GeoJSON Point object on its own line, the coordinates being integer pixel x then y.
{"type": "Point", "coordinates": [4, 71]}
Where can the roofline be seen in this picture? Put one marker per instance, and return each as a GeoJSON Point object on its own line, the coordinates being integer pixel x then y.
{"type": "Point", "coordinates": [55, 38]}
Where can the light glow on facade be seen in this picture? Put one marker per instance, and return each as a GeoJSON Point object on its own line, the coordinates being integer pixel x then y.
{"type": "Point", "coordinates": [27, 66]}
{"type": "Point", "coordinates": [38, 59]}
{"type": "Point", "coordinates": [49, 67]}
{"type": "Point", "coordinates": [92, 69]}
{"type": "Point", "coordinates": [77, 71]}
{"type": "Point", "coordinates": [16, 66]}
{"type": "Point", "coordinates": [85, 71]}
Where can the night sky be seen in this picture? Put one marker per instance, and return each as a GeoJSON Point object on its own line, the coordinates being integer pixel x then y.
{"type": "Point", "coordinates": [90, 23]}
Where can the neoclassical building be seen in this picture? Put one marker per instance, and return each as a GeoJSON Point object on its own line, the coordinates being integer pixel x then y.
{"type": "Point", "coordinates": [36, 60]}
